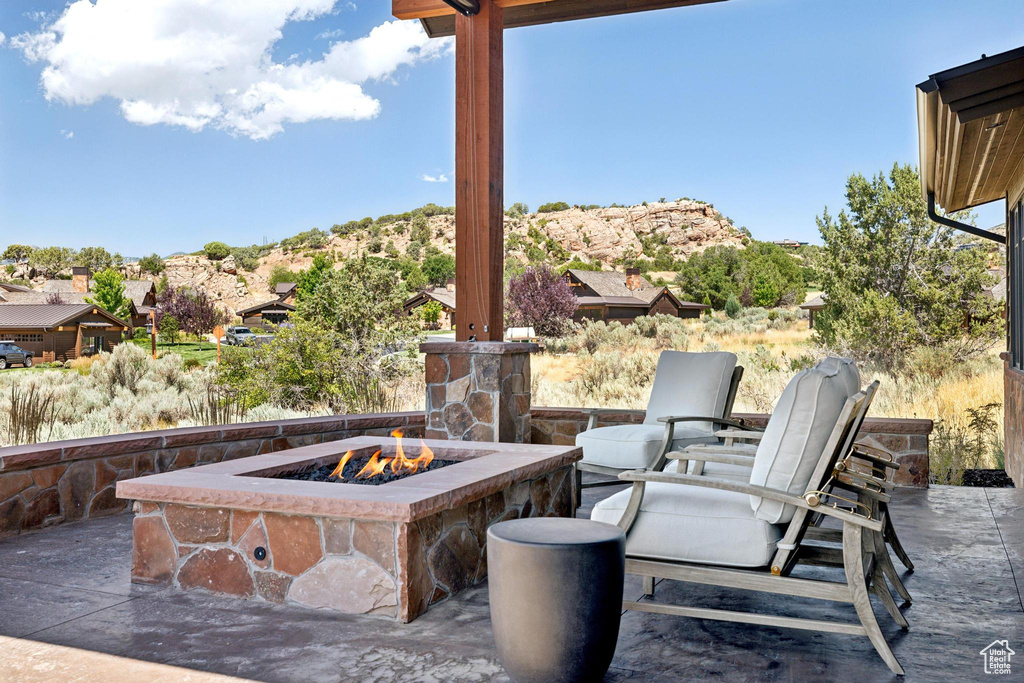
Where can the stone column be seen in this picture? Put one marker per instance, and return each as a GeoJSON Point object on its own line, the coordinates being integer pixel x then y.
{"type": "Point", "coordinates": [478, 391]}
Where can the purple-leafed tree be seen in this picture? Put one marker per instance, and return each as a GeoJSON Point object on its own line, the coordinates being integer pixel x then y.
{"type": "Point", "coordinates": [195, 311]}
{"type": "Point", "coordinates": [541, 299]}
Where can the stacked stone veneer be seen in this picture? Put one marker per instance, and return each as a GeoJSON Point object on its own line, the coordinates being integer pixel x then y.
{"type": "Point", "coordinates": [906, 439]}
{"type": "Point", "coordinates": [1013, 384]}
{"type": "Point", "coordinates": [46, 484]}
{"type": "Point", "coordinates": [389, 569]}
{"type": "Point", "coordinates": [478, 391]}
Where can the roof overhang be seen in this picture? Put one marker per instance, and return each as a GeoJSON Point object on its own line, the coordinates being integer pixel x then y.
{"type": "Point", "coordinates": [970, 122]}
{"type": "Point", "coordinates": [438, 17]}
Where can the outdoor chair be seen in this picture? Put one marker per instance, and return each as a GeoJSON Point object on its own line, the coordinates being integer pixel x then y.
{"type": "Point", "coordinates": [862, 470]}
{"type": "Point", "coordinates": [749, 535]}
{"type": "Point", "coordinates": [691, 399]}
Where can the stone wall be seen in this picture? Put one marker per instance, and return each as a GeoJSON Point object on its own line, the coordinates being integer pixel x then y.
{"type": "Point", "coordinates": [1013, 408]}
{"type": "Point", "coordinates": [906, 439]}
{"type": "Point", "coordinates": [388, 569]}
{"type": "Point", "coordinates": [50, 483]}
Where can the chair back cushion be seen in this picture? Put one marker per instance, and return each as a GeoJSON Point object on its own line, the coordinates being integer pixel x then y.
{"type": "Point", "coordinates": [694, 384]}
{"type": "Point", "coordinates": [795, 436]}
{"type": "Point", "coordinates": [848, 372]}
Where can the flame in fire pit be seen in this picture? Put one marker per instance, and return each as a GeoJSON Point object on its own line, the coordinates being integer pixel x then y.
{"type": "Point", "coordinates": [399, 464]}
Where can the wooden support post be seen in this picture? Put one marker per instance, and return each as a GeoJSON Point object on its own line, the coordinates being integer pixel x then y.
{"type": "Point", "coordinates": [152, 330]}
{"type": "Point", "coordinates": [479, 175]}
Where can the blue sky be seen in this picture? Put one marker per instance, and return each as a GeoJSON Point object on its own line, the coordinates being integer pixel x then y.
{"type": "Point", "coordinates": [762, 107]}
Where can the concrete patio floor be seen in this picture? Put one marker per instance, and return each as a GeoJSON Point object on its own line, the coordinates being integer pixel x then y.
{"type": "Point", "coordinates": [68, 587]}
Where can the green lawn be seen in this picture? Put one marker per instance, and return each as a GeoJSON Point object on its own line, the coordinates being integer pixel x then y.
{"type": "Point", "coordinates": [186, 350]}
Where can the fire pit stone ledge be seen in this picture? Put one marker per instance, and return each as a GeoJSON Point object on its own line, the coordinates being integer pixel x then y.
{"type": "Point", "coordinates": [392, 550]}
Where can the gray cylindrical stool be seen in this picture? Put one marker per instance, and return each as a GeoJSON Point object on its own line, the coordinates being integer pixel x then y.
{"type": "Point", "coordinates": [556, 597]}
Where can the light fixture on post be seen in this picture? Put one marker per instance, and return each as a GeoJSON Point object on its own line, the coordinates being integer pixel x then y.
{"type": "Point", "coordinates": [465, 7]}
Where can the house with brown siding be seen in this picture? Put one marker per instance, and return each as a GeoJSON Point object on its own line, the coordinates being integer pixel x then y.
{"type": "Point", "coordinates": [273, 312]}
{"type": "Point", "coordinates": [442, 295]}
{"type": "Point", "coordinates": [141, 292]}
{"type": "Point", "coordinates": [611, 295]}
{"type": "Point", "coordinates": [59, 332]}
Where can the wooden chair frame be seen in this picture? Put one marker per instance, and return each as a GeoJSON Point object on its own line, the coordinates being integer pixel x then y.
{"type": "Point", "coordinates": [858, 553]}
{"type": "Point", "coordinates": [595, 415]}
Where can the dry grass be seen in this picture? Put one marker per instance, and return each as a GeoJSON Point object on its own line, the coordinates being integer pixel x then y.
{"type": "Point", "coordinates": [612, 372]}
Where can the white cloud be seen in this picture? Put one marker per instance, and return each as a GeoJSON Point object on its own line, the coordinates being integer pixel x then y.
{"type": "Point", "coordinates": [329, 35]}
{"type": "Point", "coordinates": [199, 63]}
{"type": "Point", "coordinates": [2, 37]}
{"type": "Point", "coordinates": [434, 178]}
{"type": "Point", "coordinates": [68, 134]}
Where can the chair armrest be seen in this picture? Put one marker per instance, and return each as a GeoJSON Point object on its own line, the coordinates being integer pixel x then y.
{"type": "Point", "coordinates": [594, 414]}
{"type": "Point", "coordinates": [673, 419]}
{"type": "Point", "coordinates": [876, 456]}
{"type": "Point", "coordinates": [746, 449]}
{"type": "Point", "coordinates": [719, 455]}
{"type": "Point", "coordinates": [749, 489]}
{"type": "Point", "coordinates": [740, 434]}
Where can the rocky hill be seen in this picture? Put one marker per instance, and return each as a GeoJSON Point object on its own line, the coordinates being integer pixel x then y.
{"type": "Point", "coordinates": [671, 230]}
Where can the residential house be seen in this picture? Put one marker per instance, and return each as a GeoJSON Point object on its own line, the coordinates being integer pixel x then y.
{"type": "Point", "coordinates": [611, 295]}
{"type": "Point", "coordinates": [141, 292]}
{"type": "Point", "coordinates": [442, 295]}
{"type": "Point", "coordinates": [813, 307]}
{"type": "Point", "coordinates": [285, 292]}
{"type": "Point", "coordinates": [273, 312]}
{"type": "Point", "coordinates": [59, 332]}
{"type": "Point", "coordinates": [971, 132]}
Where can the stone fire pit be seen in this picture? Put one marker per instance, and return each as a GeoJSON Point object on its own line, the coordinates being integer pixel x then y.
{"type": "Point", "coordinates": [391, 550]}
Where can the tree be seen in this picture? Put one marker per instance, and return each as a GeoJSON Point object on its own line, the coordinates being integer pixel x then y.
{"type": "Point", "coordinates": [541, 299]}
{"type": "Point", "coordinates": [168, 329]}
{"type": "Point", "coordinates": [894, 281]}
{"type": "Point", "coordinates": [108, 293]}
{"type": "Point", "coordinates": [713, 274]}
{"type": "Point", "coordinates": [420, 230]}
{"type": "Point", "coordinates": [431, 312]}
{"type": "Point", "coordinates": [94, 258]}
{"type": "Point", "coordinates": [195, 312]}
{"type": "Point", "coordinates": [770, 276]}
{"type": "Point", "coordinates": [414, 250]}
{"type": "Point", "coordinates": [552, 206]}
{"type": "Point", "coordinates": [390, 250]}
{"type": "Point", "coordinates": [19, 253]}
{"type": "Point", "coordinates": [310, 279]}
{"type": "Point", "coordinates": [279, 274]}
{"type": "Point", "coordinates": [517, 210]}
{"type": "Point", "coordinates": [733, 308]}
{"type": "Point", "coordinates": [50, 261]}
{"type": "Point", "coordinates": [216, 251]}
{"type": "Point", "coordinates": [152, 264]}
{"type": "Point", "coordinates": [439, 268]}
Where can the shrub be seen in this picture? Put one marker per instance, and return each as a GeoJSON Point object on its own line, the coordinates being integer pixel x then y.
{"type": "Point", "coordinates": [552, 206]}
{"type": "Point", "coordinates": [124, 367]}
{"type": "Point", "coordinates": [431, 312]}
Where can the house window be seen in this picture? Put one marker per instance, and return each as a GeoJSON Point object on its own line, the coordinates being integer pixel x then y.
{"type": "Point", "coordinates": [25, 338]}
{"type": "Point", "coordinates": [1015, 259]}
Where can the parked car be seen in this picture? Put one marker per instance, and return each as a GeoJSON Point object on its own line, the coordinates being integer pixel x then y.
{"type": "Point", "coordinates": [12, 354]}
{"type": "Point", "coordinates": [239, 336]}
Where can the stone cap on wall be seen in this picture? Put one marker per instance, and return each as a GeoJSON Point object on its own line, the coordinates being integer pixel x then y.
{"type": "Point", "coordinates": [36, 455]}
{"type": "Point", "coordinates": [872, 425]}
{"type": "Point", "coordinates": [491, 348]}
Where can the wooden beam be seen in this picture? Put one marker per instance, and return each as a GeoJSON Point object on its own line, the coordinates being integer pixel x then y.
{"type": "Point", "coordinates": [479, 175]}
{"type": "Point", "coordinates": [439, 19]}
{"type": "Point", "coordinates": [423, 9]}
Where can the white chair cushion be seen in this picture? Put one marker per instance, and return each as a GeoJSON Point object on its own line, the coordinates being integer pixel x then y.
{"type": "Point", "coordinates": [634, 446]}
{"type": "Point", "coordinates": [692, 524]}
{"type": "Point", "coordinates": [797, 432]}
{"type": "Point", "coordinates": [694, 384]}
{"type": "Point", "coordinates": [847, 371]}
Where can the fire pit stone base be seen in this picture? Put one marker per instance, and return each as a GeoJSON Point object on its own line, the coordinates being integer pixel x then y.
{"type": "Point", "coordinates": [396, 569]}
